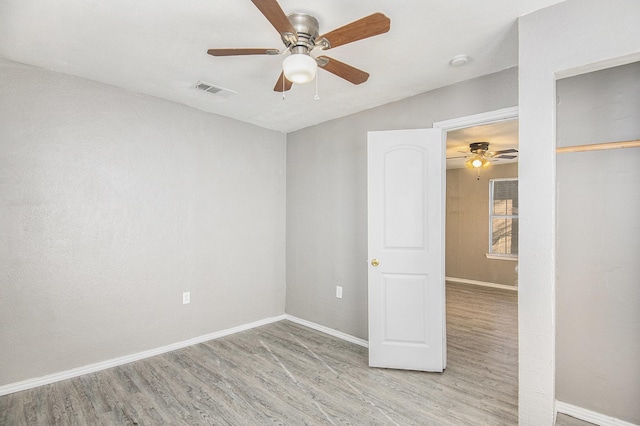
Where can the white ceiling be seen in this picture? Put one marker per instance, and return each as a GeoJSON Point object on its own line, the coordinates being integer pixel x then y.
{"type": "Point", "coordinates": [159, 48]}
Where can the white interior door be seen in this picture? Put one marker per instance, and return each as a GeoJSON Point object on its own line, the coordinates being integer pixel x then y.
{"type": "Point", "coordinates": [406, 249]}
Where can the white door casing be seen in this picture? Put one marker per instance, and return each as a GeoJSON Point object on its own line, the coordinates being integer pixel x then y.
{"type": "Point", "coordinates": [406, 177]}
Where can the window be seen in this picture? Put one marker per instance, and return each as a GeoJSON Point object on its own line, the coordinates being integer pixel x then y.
{"type": "Point", "coordinates": [503, 217]}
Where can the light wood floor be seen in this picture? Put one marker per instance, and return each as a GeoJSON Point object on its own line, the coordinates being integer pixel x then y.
{"type": "Point", "coordinates": [286, 374]}
{"type": "Point", "coordinates": [564, 420]}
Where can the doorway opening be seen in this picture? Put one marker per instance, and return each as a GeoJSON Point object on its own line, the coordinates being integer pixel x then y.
{"type": "Point", "coordinates": [481, 286]}
{"type": "Point", "coordinates": [478, 220]}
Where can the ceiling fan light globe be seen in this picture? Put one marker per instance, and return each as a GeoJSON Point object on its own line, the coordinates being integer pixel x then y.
{"type": "Point", "coordinates": [299, 68]}
{"type": "Point", "coordinates": [476, 162]}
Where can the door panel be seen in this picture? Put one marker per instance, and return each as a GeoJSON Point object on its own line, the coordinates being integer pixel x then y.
{"type": "Point", "coordinates": [404, 298]}
{"type": "Point", "coordinates": [404, 201]}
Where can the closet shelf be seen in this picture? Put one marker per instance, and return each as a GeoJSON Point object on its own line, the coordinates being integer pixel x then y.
{"type": "Point", "coordinates": [598, 146]}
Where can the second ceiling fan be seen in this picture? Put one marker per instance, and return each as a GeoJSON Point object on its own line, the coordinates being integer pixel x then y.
{"type": "Point", "coordinates": [300, 34]}
{"type": "Point", "coordinates": [480, 156]}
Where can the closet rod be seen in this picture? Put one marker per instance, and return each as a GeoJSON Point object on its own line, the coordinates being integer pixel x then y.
{"type": "Point", "coordinates": [598, 146]}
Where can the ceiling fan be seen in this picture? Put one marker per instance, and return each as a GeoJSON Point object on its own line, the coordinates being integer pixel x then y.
{"type": "Point", "coordinates": [480, 156]}
{"type": "Point", "coordinates": [300, 35]}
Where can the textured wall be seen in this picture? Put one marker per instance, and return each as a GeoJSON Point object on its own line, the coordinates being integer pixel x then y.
{"type": "Point", "coordinates": [111, 205]}
{"type": "Point", "coordinates": [569, 38]}
{"type": "Point", "coordinates": [468, 226]}
{"type": "Point", "coordinates": [327, 196]}
{"type": "Point", "coordinates": [598, 289]}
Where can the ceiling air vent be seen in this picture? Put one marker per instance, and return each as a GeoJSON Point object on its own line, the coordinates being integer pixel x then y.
{"type": "Point", "coordinates": [210, 88]}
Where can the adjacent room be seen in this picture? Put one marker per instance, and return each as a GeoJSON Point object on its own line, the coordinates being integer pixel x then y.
{"type": "Point", "coordinates": [188, 223]}
{"type": "Point", "coordinates": [482, 205]}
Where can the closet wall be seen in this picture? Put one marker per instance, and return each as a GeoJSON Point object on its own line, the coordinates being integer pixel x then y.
{"type": "Point", "coordinates": [598, 244]}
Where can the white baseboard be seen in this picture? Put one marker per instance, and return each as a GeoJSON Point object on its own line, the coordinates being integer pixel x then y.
{"type": "Point", "coordinates": [92, 368]}
{"type": "Point", "coordinates": [589, 416]}
{"type": "Point", "coordinates": [329, 331]}
{"type": "Point", "coordinates": [481, 283]}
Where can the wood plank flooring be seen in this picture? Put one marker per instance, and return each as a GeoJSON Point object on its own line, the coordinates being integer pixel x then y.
{"type": "Point", "coordinates": [286, 374]}
{"type": "Point", "coordinates": [564, 420]}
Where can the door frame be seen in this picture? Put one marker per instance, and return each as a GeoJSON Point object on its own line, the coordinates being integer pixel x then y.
{"type": "Point", "coordinates": [504, 114]}
{"type": "Point", "coordinates": [498, 115]}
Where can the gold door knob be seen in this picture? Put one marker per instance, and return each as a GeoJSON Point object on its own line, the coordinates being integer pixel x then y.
{"type": "Point", "coordinates": [375, 262]}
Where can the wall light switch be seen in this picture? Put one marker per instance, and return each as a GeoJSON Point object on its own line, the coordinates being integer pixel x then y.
{"type": "Point", "coordinates": [339, 292]}
{"type": "Point", "coordinates": [186, 297]}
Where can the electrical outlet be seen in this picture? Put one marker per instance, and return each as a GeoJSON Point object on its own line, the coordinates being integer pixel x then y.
{"type": "Point", "coordinates": [339, 292]}
{"type": "Point", "coordinates": [186, 297]}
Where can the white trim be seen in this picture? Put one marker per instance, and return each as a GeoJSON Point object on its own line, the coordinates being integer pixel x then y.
{"type": "Point", "coordinates": [92, 368]}
{"type": "Point", "coordinates": [597, 66]}
{"type": "Point", "coordinates": [589, 416]}
{"type": "Point", "coordinates": [498, 115]}
{"type": "Point", "coordinates": [329, 331]}
{"type": "Point", "coordinates": [481, 283]}
{"type": "Point", "coordinates": [494, 256]}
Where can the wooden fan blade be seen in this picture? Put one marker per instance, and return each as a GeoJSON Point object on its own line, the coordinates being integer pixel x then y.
{"type": "Point", "coordinates": [453, 158]}
{"type": "Point", "coordinates": [238, 52]}
{"type": "Point", "coordinates": [342, 70]}
{"type": "Point", "coordinates": [274, 14]}
{"type": "Point", "coordinates": [506, 157]}
{"type": "Point", "coordinates": [282, 81]}
{"type": "Point", "coordinates": [368, 26]}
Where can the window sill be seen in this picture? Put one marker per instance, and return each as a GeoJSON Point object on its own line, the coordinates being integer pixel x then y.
{"type": "Point", "coordinates": [501, 257]}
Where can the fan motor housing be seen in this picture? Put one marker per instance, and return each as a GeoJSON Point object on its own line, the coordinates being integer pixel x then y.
{"type": "Point", "coordinates": [307, 28]}
{"type": "Point", "coordinates": [477, 147]}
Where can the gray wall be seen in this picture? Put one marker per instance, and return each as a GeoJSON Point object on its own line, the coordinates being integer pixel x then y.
{"type": "Point", "coordinates": [327, 196]}
{"type": "Point", "coordinates": [111, 205]}
{"type": "Point", "coordinates": [467, 235]}
{"type": "Point", "coordinates": [598, 257]}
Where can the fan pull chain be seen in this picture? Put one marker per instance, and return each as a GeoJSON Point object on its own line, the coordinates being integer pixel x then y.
{"type": "Point", "coordinates": [317, 96]}
{"type": "Point", "coordinates": [283, 96]}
